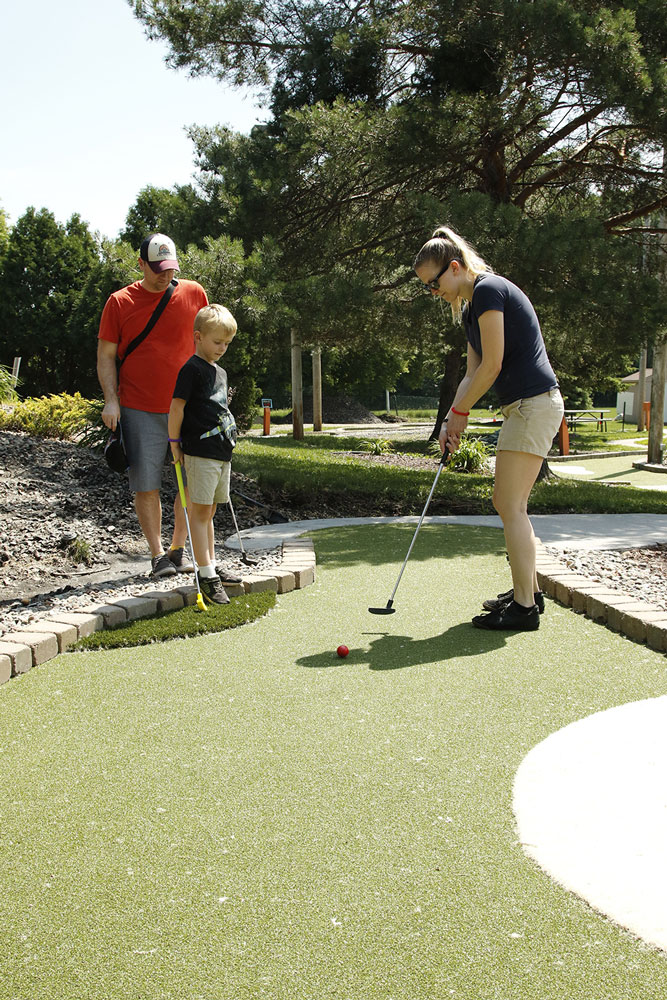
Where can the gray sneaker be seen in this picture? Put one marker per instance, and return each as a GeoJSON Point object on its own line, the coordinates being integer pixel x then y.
{"type": "Point", "coordinates": [180, 560]}
{"type": "Point", "coordinates": [212, 590]}
{"type": "Point", "coordinates": [162, 566]}
{"type": "Point", "coordinates": [227, 576]}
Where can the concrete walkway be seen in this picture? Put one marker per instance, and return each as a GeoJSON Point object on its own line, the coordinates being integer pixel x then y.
{"type": "Point", "coordinates": [594, 531]}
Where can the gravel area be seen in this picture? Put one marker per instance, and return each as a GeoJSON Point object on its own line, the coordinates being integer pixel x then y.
{"type": "Point", "coordinates": [21, 614]}
{"type": "Point", "coordinates": [641, 573]}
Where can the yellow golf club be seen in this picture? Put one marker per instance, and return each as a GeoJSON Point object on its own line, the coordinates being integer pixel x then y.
{"type": "Point", "coordinates": [179, 476]}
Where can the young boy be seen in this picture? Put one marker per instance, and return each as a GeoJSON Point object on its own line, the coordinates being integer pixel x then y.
{"type": "Point", "coordinates": [202, 431]}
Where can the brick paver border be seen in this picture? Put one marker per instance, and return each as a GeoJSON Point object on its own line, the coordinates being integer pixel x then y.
{"type": "Point", "coordinates": [40, 641]}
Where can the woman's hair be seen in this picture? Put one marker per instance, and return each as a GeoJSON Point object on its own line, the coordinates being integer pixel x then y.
{"type": "Point", "coordinates": [446, 245]}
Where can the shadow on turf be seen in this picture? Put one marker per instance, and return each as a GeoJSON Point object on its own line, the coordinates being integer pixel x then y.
{"type": "Point", "coordinates": [394, 652]}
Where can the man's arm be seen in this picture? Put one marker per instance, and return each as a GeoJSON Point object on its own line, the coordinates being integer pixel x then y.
{"type": "Point", "coordinates": [108, 379]}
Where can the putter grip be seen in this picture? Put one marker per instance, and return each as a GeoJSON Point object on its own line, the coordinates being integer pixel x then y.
{"type": "Point", "coordinates": [179, 477]}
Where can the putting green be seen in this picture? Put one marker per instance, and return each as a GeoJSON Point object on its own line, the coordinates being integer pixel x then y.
{"type": "Point", "coordinates": [245, 815]}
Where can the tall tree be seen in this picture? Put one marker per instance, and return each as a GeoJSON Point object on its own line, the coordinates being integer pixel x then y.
{"type": "Point", "coordinates": [44, 271]}
{"type": "Point", "coordinates": [534, 126]}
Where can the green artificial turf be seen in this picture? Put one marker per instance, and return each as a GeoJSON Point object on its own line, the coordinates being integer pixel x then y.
{"type": "Point", "coordinates": [183, 623]}
{"type": "Point", "coordinates": [246, 815]}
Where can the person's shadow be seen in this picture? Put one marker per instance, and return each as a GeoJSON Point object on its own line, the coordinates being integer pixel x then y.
{"type": "Point", "coordinates": [394, 652]}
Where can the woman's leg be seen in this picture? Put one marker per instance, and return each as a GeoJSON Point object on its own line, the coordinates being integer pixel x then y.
{"type": "Point", "coordinates": [516, 472]}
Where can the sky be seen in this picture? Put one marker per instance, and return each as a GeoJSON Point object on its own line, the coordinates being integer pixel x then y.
{"type": "Point", "coordinates": [92, 114]}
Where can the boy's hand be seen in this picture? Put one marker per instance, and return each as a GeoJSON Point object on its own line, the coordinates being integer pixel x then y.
{"type": "Point", "coordinates": [177, 453]}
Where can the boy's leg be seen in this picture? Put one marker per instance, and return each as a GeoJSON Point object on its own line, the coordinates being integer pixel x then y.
{"type": "Point", "coordinates": [200, 523]}
{"type": "Point", "coordinates": [211, 533]}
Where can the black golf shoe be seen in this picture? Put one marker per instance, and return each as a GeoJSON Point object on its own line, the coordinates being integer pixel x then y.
{"type": "Point", "coordinates": [511, 618]}
{"type": "Point", "coordinates": [494, 603]}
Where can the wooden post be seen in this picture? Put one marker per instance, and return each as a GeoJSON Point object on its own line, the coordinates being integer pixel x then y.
{"type": "Point", "coordinates": [563, 438]}
{"type": "Point", "coordinates": [657, 425]}
{"type": "Point", "coordinates": [297, 389]}
{"type": "Point", "coordinates": [641, 391]}
{"type": "Point", "coordinates": [317, 389]}
{"type": "Point", "coordinates": [267, 421]}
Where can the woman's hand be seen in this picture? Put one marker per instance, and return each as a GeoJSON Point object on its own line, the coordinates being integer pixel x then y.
{"type": "Point", "coordinates": [177, 453]}
{"type": "Point", "coordinates": [452, 429]}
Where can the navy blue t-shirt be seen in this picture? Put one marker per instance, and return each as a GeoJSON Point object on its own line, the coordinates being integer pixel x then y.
{"type": "Point", "coordinates": [204, 388]}
{"type": "Point", "coordinates": [526, 370]}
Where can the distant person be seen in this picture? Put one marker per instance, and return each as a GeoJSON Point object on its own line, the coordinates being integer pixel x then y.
{"type": "Point", "coordinates": [202, 434]}
{"type": "Point", "coordinates": [505, 350]}
{"type": "Point", "coordinates": [139, 393]}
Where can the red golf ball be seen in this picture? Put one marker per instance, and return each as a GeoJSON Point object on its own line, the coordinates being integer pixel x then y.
{"type": "Point", "coordinates": [342, 651]}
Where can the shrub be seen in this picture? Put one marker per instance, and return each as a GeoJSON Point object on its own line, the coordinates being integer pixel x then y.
{"type": "Point", "coordinates": [378, 446]}
{"type": "Point", "coordinates": [62, 417]}
{"type": "Point", "coordinates": [7, 389]}
{"type": "Point", "coordinates": [472, 455]}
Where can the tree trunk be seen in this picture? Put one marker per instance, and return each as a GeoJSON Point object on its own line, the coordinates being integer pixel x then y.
{"type": "Point", "coordinates": [448, 386]}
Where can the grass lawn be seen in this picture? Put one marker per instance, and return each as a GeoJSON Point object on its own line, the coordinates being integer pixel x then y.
{"type": "Point", "coordinates": [245, 815]}
{"type": "Point", "coordinates": [322, 470]}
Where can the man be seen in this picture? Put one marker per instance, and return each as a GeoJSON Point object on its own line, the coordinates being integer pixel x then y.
{"type": "Point", "coordinates": [139, 393]}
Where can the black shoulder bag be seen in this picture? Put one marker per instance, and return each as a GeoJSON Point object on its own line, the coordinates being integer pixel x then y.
{"type": "Point", "coordinates": [114, 449]}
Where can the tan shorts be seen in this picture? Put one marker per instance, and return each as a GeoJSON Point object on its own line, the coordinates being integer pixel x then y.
{"type": "Point", "coordinates": [208, 479]}
{"type": "Point", "coordinates": [531, 424]}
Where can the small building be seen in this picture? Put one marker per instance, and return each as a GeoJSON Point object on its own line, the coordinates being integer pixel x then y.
{"type": "Point", "coordinates": [630, 395]}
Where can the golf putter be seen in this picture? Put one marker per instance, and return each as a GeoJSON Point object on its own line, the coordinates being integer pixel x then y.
{"type": "Point", "coordinates": [389, 609]}
{"type": "Point", "coordinates": [248, 560]}
{"type": "Point", "coordinates": [179, 476]}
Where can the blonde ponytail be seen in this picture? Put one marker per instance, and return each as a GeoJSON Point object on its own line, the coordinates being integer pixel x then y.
{"type": "Point", "coordinates": [446, 245]}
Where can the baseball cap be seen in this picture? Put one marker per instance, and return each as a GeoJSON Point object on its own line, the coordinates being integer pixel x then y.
{"type": "Point", "coordinates": [159, 252]}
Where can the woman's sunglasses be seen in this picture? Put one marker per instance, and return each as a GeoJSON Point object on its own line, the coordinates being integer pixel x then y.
{"type": "Point", "coordinates": [434, 284]}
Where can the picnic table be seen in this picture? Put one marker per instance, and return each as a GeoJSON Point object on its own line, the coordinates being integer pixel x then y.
{"type": "Point", "coordinates": [597, 417]}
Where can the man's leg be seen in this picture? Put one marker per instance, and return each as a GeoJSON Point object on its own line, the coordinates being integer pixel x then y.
{"type": "Point", "coordinates": [149, 512]}
{"type": "Point", "coordinates": [516, 472]}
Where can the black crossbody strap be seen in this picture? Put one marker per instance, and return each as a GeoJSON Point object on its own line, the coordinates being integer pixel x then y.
{"type": "Point", "coordinates": [155, 315]}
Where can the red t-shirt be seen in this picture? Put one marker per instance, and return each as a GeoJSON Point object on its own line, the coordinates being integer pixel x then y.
{"type": "Point", "coordinates": [148, 377]}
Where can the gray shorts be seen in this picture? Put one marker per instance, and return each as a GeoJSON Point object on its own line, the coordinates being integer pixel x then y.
{"type": "Point", "coordinates": [147, 448]}
{"type": "Point", "coordinates": [531, 424]}
{"type": "Point", "coordinates": [208, 479]}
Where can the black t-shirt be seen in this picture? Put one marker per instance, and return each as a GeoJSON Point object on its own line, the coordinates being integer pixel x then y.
{"type": "Point", "coordinates": [526, 370]}
{"type": "Point", "coordinates": [204, 388]}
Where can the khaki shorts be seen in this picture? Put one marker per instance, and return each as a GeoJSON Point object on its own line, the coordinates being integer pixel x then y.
{"type": "Point", "coordinates": [531, 424]}
{"type": "Point", "coordinates": [208, 479]}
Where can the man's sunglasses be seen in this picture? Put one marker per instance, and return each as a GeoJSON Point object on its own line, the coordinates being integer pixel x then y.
{"type": "Point", "coordinates": [434, 284]}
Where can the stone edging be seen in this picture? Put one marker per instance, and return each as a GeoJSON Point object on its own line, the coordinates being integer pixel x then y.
{"type": "Point", "coordinates": [637, 620]}
{"type": "Point", "coordinates": [40, 641]}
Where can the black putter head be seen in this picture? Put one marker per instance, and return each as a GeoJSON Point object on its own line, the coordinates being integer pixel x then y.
{"type": "Point", "coordinates": [383, 611]}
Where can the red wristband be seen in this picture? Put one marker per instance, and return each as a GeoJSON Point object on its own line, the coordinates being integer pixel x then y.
{"type": "Point", "coordinates": [460, 413]}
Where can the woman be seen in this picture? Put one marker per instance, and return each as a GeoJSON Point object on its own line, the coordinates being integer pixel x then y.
{"type": "Point", "coordinates": [505, 350]}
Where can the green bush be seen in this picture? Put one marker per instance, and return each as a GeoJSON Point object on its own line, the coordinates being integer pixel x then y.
{"type": "Point", "coordinates": [378, 446]}
{"type": "Point", "coordinates": [8, 392]}
{"type": "Point", "coordinates": [472, 455]}
{"type": "Point", "coordinates": [62, 417]}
